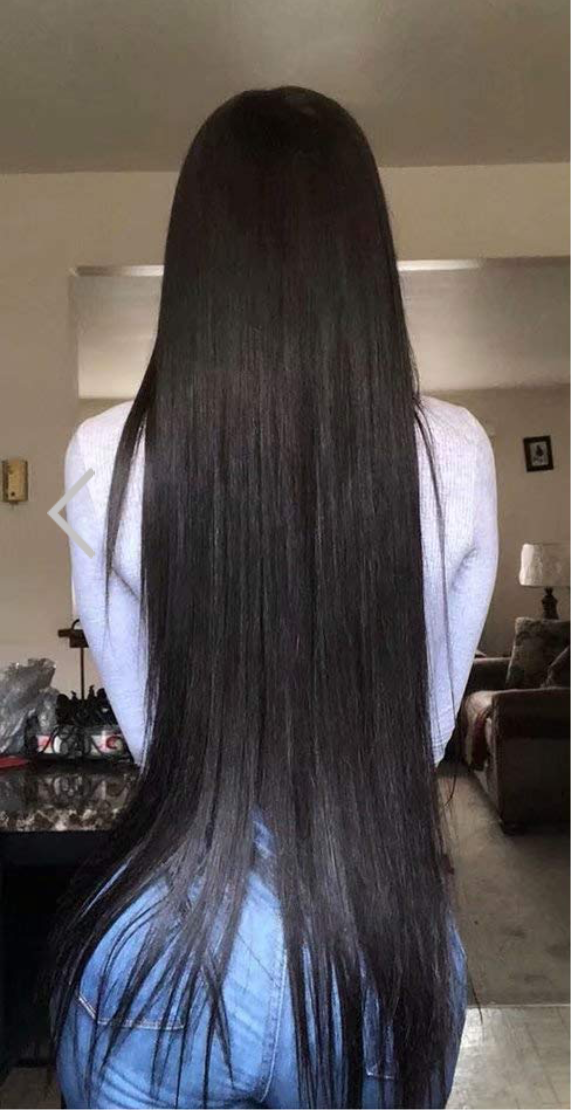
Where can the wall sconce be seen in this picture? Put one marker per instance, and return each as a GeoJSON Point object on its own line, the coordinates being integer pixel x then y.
{"type": "Point", "coordinates": [14, 480]}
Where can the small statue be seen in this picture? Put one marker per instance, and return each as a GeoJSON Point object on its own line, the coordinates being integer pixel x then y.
{"type": "Point", "coordinates": [25, 689]}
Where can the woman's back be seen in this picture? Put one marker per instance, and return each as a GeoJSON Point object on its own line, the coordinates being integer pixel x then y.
{"type": "Point", "coordinates": [467, 485]}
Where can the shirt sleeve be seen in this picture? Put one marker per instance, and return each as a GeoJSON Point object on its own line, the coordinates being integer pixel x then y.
{"type": "Point", "coordinates": [114, 633]}
{"type": "Point", "coordinates": [468, 597]}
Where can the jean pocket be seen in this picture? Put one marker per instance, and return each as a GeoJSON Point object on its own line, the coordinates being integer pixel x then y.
{"type": "Point", "coordinates": [110, 975]}
{"type": "Point", "coordinates": [104, 1015]}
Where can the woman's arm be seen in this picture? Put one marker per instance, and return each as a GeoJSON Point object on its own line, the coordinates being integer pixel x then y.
{"type": "Point", "coordinates": [115, 637]}
{"type": "Point", "coordinates": [469, 596]}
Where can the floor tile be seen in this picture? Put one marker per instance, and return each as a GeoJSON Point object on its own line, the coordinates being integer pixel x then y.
{"type": "Point", "coordinates": [513, 1056]}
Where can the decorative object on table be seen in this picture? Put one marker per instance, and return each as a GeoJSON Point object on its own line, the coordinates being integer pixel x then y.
{"type": "Point", "coordinates": [538, 453]}
{"type": "Point", "coordinates": [545, 565]}
{"type": "Point", "coordinates": [76, 637]}
{"type": "Point", "coordinates": [7, 762]}
{"type": "Point", "coordinates": [25, 689]}
{"type": "Point", "coordinates": [537, 643]}
{"type": "Point", "coordinates": [86, 728]}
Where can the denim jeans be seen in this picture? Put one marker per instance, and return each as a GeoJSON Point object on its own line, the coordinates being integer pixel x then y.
{"type": "Point", "coordinates": [260, 1020]}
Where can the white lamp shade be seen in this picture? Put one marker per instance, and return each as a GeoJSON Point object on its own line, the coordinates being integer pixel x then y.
{"type": "Point", "coordinates": [544, 564]}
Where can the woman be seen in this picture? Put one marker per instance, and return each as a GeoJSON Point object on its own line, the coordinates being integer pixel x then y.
{"type": "Point", "coordinates": [291, 547]}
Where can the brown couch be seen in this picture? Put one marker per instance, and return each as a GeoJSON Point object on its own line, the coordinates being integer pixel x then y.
{"type": "Point", "coordinates": [517, 743]}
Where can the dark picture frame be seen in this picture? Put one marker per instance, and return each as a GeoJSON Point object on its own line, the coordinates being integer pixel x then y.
{"type": "Point", "coordinates": [538, 453]}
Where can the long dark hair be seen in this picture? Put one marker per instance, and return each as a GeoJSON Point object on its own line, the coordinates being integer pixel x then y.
{"type": "Point", "coordinates": [282, 596]}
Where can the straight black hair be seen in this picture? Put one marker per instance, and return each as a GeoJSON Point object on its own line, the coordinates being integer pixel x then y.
{"type": "Point", "coordinates": [282, 601]}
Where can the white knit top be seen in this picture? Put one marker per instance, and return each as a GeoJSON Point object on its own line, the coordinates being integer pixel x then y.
{"type": "Point", "coordinates": [467, 483]}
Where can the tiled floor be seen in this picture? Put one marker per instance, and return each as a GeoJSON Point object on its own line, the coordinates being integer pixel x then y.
{"type": "Point", "coordinates": [511, 1057]}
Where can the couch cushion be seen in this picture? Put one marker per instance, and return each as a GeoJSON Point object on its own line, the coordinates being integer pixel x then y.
{"type": "Point", "coordinates": [558, 672]}
{"type": "Point", "coordinates": [477, 703]}
{"type": "Point", "coordinates": [537, 643]}
{"type": "Point", "coordinates": [476, 709]}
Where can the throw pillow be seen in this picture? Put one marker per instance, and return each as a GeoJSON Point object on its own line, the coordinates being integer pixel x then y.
{"type": "Point", "coordinates": [558, 673]}
{"type": "Point", "coordinates": [537, 643]}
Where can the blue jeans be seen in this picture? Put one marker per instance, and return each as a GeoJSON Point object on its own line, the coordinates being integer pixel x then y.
{"type": "Point", "coordinates": [260, 1020]}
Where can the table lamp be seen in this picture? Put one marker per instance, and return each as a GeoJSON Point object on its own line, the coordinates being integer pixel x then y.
{"type": "Point", "coordinates": [545, 565]}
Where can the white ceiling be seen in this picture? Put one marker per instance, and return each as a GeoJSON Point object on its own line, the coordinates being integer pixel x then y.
{"type": "Point", "coordinates": [476, 325]}
{"type": "Point", "coordinates": [123, 84]}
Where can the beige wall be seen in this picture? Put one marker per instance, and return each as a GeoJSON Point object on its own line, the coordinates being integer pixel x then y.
{"type": "Point", "coordinates": [53, 223]}
{"type": "Point", "coordinates": [94, 406]}
{"type": "Point", "coordinates": [532, 507]}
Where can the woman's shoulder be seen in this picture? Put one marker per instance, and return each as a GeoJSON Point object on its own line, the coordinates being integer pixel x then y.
{"type": "Point", "coordinates": [451, 422]}
{"type": "Point", "coordinates": [463, 457]}
{"type": "Point", "coordinates": [94, 446]}
{"type": "Point", "coordinates": [98, 435]}
{"type": "Point", "coordinates": [460, 446]}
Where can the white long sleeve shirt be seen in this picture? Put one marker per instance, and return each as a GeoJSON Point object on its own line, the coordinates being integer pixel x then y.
{"type": "Point", "coordinates": [467, 484]}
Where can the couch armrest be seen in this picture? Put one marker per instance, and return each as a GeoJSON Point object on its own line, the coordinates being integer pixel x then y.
{"type": "Point", "coordinates": [539, 713]}
{"type": "Point", "coordinates": [488, 673]}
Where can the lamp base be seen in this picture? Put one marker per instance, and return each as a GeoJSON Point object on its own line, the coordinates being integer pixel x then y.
{"type": "Point", "coordinates": [549, 603]}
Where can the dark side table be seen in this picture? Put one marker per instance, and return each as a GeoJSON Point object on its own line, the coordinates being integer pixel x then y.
{"type": "Point", "coordinates": [52, 817]}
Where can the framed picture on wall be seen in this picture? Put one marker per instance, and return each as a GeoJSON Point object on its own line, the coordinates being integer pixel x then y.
{"type": "Point", "coordinates": [538, 453]}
